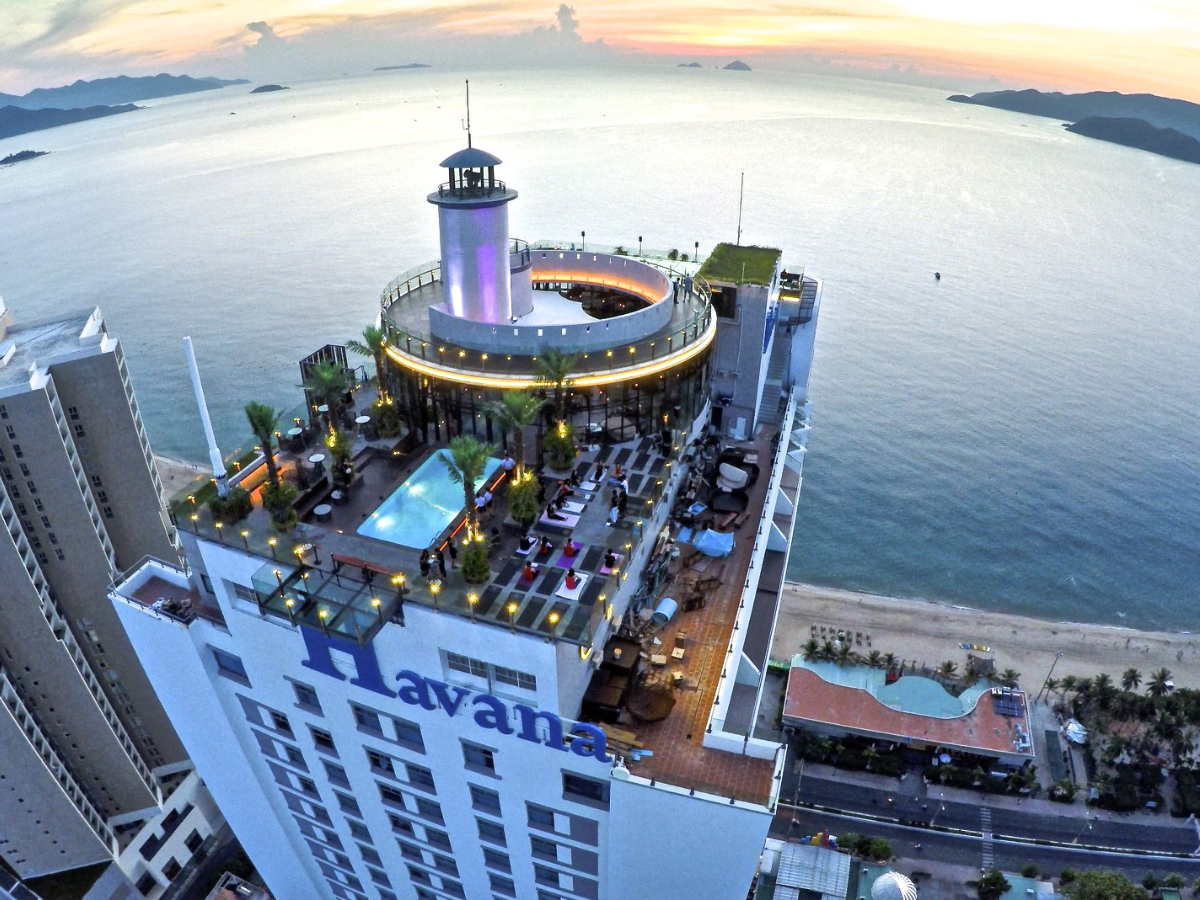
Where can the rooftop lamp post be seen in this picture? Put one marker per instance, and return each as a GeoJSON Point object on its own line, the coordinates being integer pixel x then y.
{"type": "Point", "coordinates": [246, 538]}
{"type": "Point", "coordinates": [512, 616]}
{"type": "Point", "coordinates": [378, 604]}
{"type": "Point", "coordinates": [553, 620]}
{"type": "Point", "coordinates": [291, 609]}
{"type": "Point", "coordinates": [195, 520]}
{"type": "Point", "coordinates": [220, 533]}
{"type": "Point", "coordinates": [472, 599]}
{"type": "Point", "coordinates": [322, 615]}
{"type": "Point", "coordinates": [271, 542]}
{"type": "Point", "coordinates": [435, 587]}
{"type": "Point", "coordinates": [279, 577]}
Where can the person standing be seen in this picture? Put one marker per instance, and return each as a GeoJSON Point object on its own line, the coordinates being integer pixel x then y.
{"type": "Point", "coordinates": [424, 563]}
{"type": "Point", "coordinates": [453, 548]}
{"type": "Point", "coordinates": [614, 513]}
{"type": "Point", "coordinates": [441, 562]}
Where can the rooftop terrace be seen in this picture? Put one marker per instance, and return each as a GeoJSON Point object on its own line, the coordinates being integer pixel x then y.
{"type": "Point", "coordinates": [735, 264]}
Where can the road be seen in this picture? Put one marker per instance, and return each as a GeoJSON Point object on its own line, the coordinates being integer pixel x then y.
{"type": "Point", "coordinates": [1100, 829]}
{"type": "Point", "coordinates": [960, 850]}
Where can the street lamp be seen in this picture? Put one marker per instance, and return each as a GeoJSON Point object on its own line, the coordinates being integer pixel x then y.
{"type": "Point", "coordinates": [1057, 656]}
{"type": "Point", "coordinates": [271, 542]}
{"type": "Point", "coordinates": [472, 599]}
{"type": "Point", "coordinates": [1087, 826]}
{"type": "Point", "coordinates": [435, 586]}
{"type": "Point", "coordinates": [246, 538]}
{"type": "Point", "coordinates": [512, 613]}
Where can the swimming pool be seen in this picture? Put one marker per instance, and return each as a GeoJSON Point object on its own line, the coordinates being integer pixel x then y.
{"type": "Point", "coordinates": [421, 508]}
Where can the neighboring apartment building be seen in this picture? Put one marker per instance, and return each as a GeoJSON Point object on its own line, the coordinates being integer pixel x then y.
{"type": "Point", "coordinates": [84, 741]}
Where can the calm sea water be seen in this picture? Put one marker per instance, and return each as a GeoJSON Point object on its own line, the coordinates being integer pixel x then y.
{"type": "Point", "coordinates": [1021, 436]}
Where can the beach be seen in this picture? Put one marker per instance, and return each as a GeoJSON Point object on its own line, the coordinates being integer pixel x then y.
{"type": "Point", "coordinates": [931, 633]}
{"type": "Point", "coordinates": [177, 474]}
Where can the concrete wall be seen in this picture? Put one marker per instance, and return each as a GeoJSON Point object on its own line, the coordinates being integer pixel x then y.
{"type": "Point", "coordinates": [739, 361]}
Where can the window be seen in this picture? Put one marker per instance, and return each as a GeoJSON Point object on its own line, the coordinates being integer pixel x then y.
{"type": "Point", "coordinates": [467, 666]}
{"type": "Point", "coordinates": [230, 666]}
{"type": "Point", "coordinates": [445, 864]}
{"type": "Point", "coordinates": [359, 830]}
{"type": "Point", "coordinates": [146, 884]}
{"type": "Point", "coordinates": [379, 877]}
{"type": "Point", "coordinates": [305, 695]}
{"type": "Point", "coordinates": [419, 876]}
{"type": "Point", "coordinates": [496, 860]}
{"type": "Point", "coordinates": [411, 851]}
{"type": "Point", "coordinates": [279, 720]}
{"type": "Point", "coordinates": [545, 875]}
{"type": "Point", "coordinates": [409, 734]}
{"type": "Point", "coordinates": [172, 869]}
{"type": "Point", "coordinates": [490, 831]}
{"type": "Point", "coordinates": [79, 431]}
{"type": "Point", "coordinates": [193, 842]}
{"type": "Point", "coordinates": [369, 855]}
{"type": "Point", "coordinates": [453, 888]}
{"type": "Point", "coordinates": [522, 680]}
{"type": "Point", "coordinates": [323, 740]}
{"type": "Point", "coordinates": [429, 810]}
{"type": "Point", "coordinates": [348, 804]}
{"type": "Point", "coordinates": [478, 757]}
{"type": "Point", "coordinates": [539, 815]}
{"type": "Point", "coordinates": [577, 787]}
{"type": "Point", "coordinates": [482, 798]}
{"type": "Point", "coordinates": [381, 762]}
{"type": "Point", "coordinates": [336, 774]}
{"type": "Point", "coordinates": [544, 848]}
{"type": "Point", "coordinates": [73, 412]}
{"type": "Point", "coordinates": [502, 885]}
{"type": "Point", "coordinates": [366, 719]}
{"type": "Point", "coordinates": [438, 839]}
{"type": "Point", "coordinates": [391, 795]}
{"type": "Point", "coordinates": [401, 825]}
{"type": "Point", "coordinates": [294, 756]}
{"type": "Point", "coordinates": [307, 785]}
{"type": "Point", "coordinates": [419, 776]}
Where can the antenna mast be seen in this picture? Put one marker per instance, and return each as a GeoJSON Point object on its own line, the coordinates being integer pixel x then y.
{"type": "Point", "coordinates": [468, 112]}
{"type": "Point", "coordinates": [741, 195]}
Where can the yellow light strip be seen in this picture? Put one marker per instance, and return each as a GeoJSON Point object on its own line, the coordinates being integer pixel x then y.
{"type": "Point", "coordinates": [445, 373]}
{"type": "Point", "coordinates": [600, 280]}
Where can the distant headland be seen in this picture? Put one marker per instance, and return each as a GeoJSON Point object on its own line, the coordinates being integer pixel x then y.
{"type": "Point", "coordinates": [405, 66]}
{"type": "Point", "coordinates": [21, 156]}
{"type": "Point", "coordinates": [110, 91]}
{"type": "Point", "coordinates": [268, 89]}
{"type": "Point", "coordinates": [1148, 122]}
{"type": "Point", "coordinates": [737, 66]}
{"type": "Point", "coordinates": [14, 120]}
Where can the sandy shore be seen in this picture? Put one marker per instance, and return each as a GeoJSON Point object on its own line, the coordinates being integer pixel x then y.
{"type": "Point", "coordinates": [176, 474]}
{"type": "Point", "coordinates": [931, 633]}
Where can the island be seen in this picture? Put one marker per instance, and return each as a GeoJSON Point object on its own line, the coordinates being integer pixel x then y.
{"type": "Point", "coordinates": [15, 120]}
{"type": "Point", "coordinates": [737, 66]}
{"type": "Point", "coordinates": [691, 65]}
{"type": "Point", "coordinates": [1140, 134]}
{"type": "Point", "coordinates": [268, 88]}
{"type": "Point", "coordinates": [21, 156]}
{"type": "Point", "coordinates": [110, 91]}
{"type": "Point", "coordinates": [405, 66]}
{"type": "Point", "coordinates": [1161, 125]}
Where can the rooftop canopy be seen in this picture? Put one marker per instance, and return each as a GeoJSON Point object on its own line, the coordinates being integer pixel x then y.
{"type": "Point", "coordinates": [741, 265]}
{"type": "Point", "coordinates": [470, 158]}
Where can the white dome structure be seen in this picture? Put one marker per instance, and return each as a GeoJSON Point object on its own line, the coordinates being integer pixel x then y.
{"type": "Point", "coordinates": [893, 886]}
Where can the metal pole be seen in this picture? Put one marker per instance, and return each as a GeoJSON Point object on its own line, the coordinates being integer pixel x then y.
{"type": "Point", "coordinates": [1057, 657]}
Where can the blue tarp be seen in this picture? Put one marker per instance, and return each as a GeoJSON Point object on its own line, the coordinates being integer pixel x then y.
{"type": "Point", "coordinates": [714, 543]}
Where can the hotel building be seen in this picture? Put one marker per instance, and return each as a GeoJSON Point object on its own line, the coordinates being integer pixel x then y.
{"type": "Point", "coordinates": [369, 733]}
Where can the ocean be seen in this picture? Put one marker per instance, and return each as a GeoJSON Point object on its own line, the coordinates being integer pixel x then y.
{"type": "Point", "coordinates": [1021, 436]}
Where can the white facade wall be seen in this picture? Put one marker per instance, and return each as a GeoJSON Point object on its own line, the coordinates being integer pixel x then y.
{"type": "Point", "coordinates": [475, 271]}
{"type": "Point", "coordinates": [343, 837]}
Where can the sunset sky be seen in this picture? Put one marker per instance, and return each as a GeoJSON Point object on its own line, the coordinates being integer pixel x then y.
{"type": "Point", "coordinates": [1130, 45]}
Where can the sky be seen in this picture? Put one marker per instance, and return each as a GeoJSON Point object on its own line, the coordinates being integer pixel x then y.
{"type": "Point", "coordinates": [1128, 45]}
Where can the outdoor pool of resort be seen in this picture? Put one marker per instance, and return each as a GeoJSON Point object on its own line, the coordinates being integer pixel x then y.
{"type": "Point", "coordinates": [421, 508]}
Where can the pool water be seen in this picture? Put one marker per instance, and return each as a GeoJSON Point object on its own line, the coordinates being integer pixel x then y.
{"type": "Point", "coordinates": [419, 510]}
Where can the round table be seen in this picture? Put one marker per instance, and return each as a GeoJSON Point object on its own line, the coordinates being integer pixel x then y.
{"type": "Point", "coordinates": [295, 432]}
{"type": "Point", "coordinates": [323, 512]}
{"type": "Point", "coordinates": [362, 420]}
{"type": "Point", "coordinates": [323, 408]}
{"type": "Point", "coordinates": [317, 458]}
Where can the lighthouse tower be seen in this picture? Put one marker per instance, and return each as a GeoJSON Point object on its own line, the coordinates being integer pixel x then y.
{"type": "Point", "coordinates": [473, 225]}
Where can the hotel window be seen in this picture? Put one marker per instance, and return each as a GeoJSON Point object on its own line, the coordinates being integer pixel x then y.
{"type": "Point", "coordinates": [429, 810]}
{"type": "Point", "coordinates": [3, 412]}
{"type": "Point", "coordinates": [73, 413]}
{"type": "Point", "coordinates": [381, 762]}
{"type": "Point", "coordinates": [438, 839]}
{"type": "Point", "coordinates": [577, 787]}
{"type": "Point", "coordinates": [348, 804]}
{"type": "Point", "coordinates": [278, 719]}
{"type": "Point", "coordinates": [308, 786]}
{"type": "Point", "coordinates": [231, 667]}
{"type": "Point", "coordinates": [419, 876]}
{"type": "Point", "coordinates": [539, 815]}
{"type": "Point", "coordinates": [522, 680]}
{"type": "Point", "coordinates": [467, 666]}
{"type": "Point", "coordinates": [401, 825]}
{"type": "Point", "coordinates": [80, 431]}
{"type": "Point", "coordinates": [544, 848]}
{"type": "Point", "coordinates": [411, 851]}
{"type": "Point", "coordinates": [479, 758]}
{"type": "Point", "coordinates": [366, 719]}
{"type": "Point", "coordinates": [483, 799]}
{"type": "Point", "coordinates": [306, 696]}
{"type": "Point", "coordinates": [379, 877]}
{"type": "Point", "coordinates": [408, 734]}
{"type": "Point", "coordinates": [490, 831]}
{"type": "Point", "coordinates": [445, 864]}
{"type": "Point", "coordinates": [453, 888]}
{"type": "Point", "coordinates": [387, 895]}
{"type": "Point", "coordinates": [323, 740]}
{"type": "Point", "coordinates": [294, 756]}
{"type": "Point", "coordinates": [419, 776]}
{"type": "Point", "coordinates": [369, 855]}
{"type": "Point", "coordinates": [502, 885]}
{"type": "Point", "coordinates": [19, 454]}
{"type": "Point", "coordinates": [336, 775]}
{"type": "Point", "coordinates": [496, 860]}
{"type": "Point", "coordinates": [359, 830]}
{"type": "Point", "coordinates": [390, 795]}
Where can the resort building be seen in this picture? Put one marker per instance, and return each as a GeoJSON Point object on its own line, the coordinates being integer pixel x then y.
{"type": "Point", "coordinates": [580, 724]}
{"type": "Point", "coordinates": [912, 710]}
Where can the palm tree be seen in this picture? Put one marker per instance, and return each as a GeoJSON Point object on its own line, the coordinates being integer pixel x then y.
{"type": "Point", "coordinates": [1069, 684]}
{"type": "Point", "coordinates": [812, 649]}
{"type": "Point", "coordinates": [869, 754]}
{"type": "Point", "coordinates": [514, 412]}
{"type": "Point", "coordinates": [554, 369]}
{"type": "Point", "coordinates": [328, 383]}
{"type": "Point", "coordinates": [1104, 690]}
{"type": "Point", "coordinates": [827, 651]}
{"type": "Point", "coordinates": [1010, 677]}
{"type": "Point", "coordinates": [1052, 685]}
{"type": "Point", "coordinates": [373, 344]}
{"type": "Point", "coordinates": [889, 660]}
{"type": "Point", "coordinates": [947, 669]}
{"type": "Point", "coordinates": [466, 458]}
{"type": "Point", "coordinates": [264, 422]}
{"type": "Point", "coordinates": [874, 659]}
{"type": "Point", "coordinates": [1157, 686]}
{"type": "Point", "coordinates": [1131, 680]}
{"type": "Point", "coordinates": [843, 653]}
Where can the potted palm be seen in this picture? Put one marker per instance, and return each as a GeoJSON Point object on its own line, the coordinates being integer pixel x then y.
{"type": "Point", "coordinates": [277, 497]}
{"type": "Point", "coordinates": [373, 345]}
{"type": "Point", "coordinates": [554, 370]}
{"type": "Point", "coordinates": [466, 459]}
{"type": "Point", "coordinates": [328, 383]}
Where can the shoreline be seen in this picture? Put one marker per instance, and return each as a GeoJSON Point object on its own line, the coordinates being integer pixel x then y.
{"type": "Point", "coordinates": [930, 632]}
{"type": "Point", "coordinates": [177, 474]}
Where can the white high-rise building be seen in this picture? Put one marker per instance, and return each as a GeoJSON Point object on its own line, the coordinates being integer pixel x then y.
{"type": "Point", "coordinates": [584, 733]}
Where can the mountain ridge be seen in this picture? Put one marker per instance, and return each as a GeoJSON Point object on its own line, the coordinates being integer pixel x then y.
{"type": "Point", "coordinates": [118, 90]}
